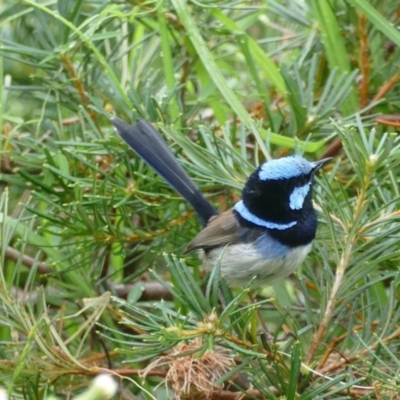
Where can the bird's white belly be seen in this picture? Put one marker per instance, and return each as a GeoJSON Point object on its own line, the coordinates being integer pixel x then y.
{"type": "Point", "coordinates": [240, 263]}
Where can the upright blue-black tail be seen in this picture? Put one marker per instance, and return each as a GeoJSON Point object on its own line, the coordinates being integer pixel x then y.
{"type": "Point", "coordinates": [151, 147]}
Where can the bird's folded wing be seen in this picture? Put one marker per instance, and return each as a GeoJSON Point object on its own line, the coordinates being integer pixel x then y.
{"type": "Point", "coordinates": [221, 230]}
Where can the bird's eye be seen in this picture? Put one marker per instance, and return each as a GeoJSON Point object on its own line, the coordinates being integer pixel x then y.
{"type": "Point", "coordinates": [303, 180]}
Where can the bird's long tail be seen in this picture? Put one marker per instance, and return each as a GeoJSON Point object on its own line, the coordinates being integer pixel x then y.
{"type": "Point", "coordinates": [151, 147]}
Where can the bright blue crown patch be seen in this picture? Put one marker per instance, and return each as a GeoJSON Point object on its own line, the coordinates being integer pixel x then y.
{"type": "Point", "coordinates": [285, 168]}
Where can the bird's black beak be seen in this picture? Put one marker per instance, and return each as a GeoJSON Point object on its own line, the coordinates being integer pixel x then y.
{"type": "Point", "coordinates": [318, 164]}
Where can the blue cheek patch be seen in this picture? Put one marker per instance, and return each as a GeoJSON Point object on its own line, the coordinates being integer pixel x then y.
{"type": "Point", "coordinates": [248, 216]}
{"type": "Point", "coordinates": [285, 168]}
{"type": "Point", "coordinates": [298, 196]}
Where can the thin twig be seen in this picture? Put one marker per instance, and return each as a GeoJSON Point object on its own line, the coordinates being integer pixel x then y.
{"type": "Point", "coordinates": [339, 277]}
{"type": "Point", "coordinates": [151, 291]}
{"type": "Point", "coordinates": [361, 354]}
{"type": "Point", "coordinates": [386, 87]}
{"type": "Point", "coordinates": [332, 346]}
{"type": "Point", "coordinates": [388, 120]}
{"type": "Point", "coordinates": [330, 306]}
{"type": "Point", "coordinates": [15, 255]}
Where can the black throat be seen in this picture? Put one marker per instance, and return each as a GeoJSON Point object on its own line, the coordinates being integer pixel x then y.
{"type": "Point", "coordinates": [269, 201]}
{"type": "Point", "coordinates": [301, 234]}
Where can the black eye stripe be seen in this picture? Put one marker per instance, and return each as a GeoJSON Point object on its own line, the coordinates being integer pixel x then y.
{"type": "Point", "coordinates": [300, 181]}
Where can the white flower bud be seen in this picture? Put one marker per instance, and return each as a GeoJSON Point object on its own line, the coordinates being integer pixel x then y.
{"type": "Point", "coordinates": [373, 158]}
{"type": "Point", "coordinates": [106, 384]}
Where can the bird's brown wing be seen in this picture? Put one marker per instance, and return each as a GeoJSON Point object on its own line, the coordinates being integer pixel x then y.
{"type": "Point", "coordinates": [221, 230]}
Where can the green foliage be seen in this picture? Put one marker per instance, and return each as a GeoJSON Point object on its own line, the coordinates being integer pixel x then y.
{"type": "Point", "coordinates": [89, 278]}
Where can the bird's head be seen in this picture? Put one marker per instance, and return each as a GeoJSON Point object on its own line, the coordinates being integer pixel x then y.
{"type": "Point", "coordinates": [279, 192]}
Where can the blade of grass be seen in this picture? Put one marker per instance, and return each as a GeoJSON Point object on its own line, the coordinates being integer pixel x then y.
{"type": "Point", "coordinates": [264, 62]}
{"type": "Point", "coordinates": [378, 20]}
{"type": "Point", "coordinates": [90, 45]}
{"type": "Point", "coordinates": [334, 47]}
{"type": "Point", "coordinates": [199, 44]}
{"type": "Point", "coordinates": [168, 63]}
{"type": "Point", "coordinates": [215, 74]}
{"type": "Point", "coordinates": [295, 365]}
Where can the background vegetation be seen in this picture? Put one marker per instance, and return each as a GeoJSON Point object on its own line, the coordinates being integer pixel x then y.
{"type": "Point", "coordinates": [89, 233]}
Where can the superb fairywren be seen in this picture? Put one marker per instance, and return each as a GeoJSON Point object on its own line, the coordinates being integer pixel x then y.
{"type": "Point", "coordinates": [266, 235]}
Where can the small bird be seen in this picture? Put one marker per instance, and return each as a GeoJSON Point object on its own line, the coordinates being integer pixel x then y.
{"type": "Point", "coordinates": [266, 235]}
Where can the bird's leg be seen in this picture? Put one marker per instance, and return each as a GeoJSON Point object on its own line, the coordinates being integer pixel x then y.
{"type": "Point", "coordinates": [265, 330]}
{"type": "Point", "coordinates": [269, 336]}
